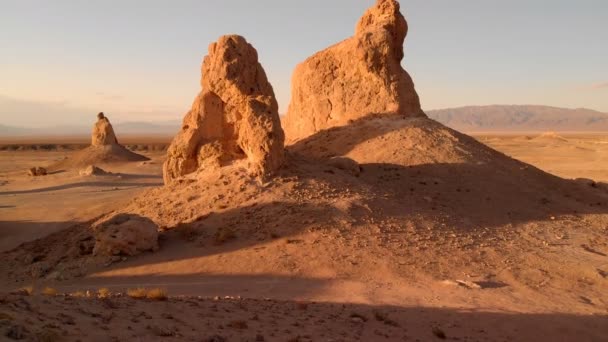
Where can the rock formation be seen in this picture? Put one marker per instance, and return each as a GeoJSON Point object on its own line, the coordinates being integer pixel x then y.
{"type": "Point", "coordinates": [234, 117]}
{"type": "Point", "coordinates": [104, 149]}
{"type": "Point", "coordinates": [103, 133]}
{"type": "Point", "coordinates": [360, 76]}
{"type": "Point", "coordinates": [125, 234]}
{"type": "Point", "coordinates": [37, 171]}
{"type": "Point", "coordinates": [92, 170]}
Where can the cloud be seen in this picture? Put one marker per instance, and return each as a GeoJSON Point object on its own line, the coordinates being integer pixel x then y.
{"type": "Point", "coordinates": [600, 85]}
{"type": "Point", "coordinates": [109, 97]}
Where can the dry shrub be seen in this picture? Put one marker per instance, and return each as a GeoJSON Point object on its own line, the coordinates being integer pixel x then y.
{"type": "Point", "coordinates": [49, 291]}
{"type": "Point", "coordinates": [103, 292]}
{"type": "Point", "coordinates": [157, 294]}
{"type": "Point", "coordinates": [137, 293]}
{"type": "Point", "coordinates": [78, 294]}
{"type": "Point", "coordinates": [25, 291]}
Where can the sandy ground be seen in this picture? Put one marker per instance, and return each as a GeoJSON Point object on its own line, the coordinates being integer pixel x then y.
{"type": "Point", "coordinates": [32, 207]}
{"type": "Point", "coordinates": [568, 155]}
{"type": "Point", "coordinates": [365, 278]}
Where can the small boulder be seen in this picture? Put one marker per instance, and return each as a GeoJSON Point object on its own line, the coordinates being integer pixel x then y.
{"type": "Point", "coordinates": [37, 171]}
{"type": "Point", "coordinates": [125, 234]}
{"type": "Point", "coordinates": [92, 170]}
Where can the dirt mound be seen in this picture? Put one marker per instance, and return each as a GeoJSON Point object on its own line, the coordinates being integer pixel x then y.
{"type": "Point", "coordinates": [104, 149]}
{"type": "Point", "coordinates": [94, 155]}
{"type": "Point", "coordinates": [359, 76]}
{"type": "Point", "coordinates": [550, 137]}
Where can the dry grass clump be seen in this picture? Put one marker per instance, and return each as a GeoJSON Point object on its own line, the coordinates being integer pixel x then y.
{"type": "Point", "coordinates": [157, 294]}
{"type": "Point", "coordinates": [78, 294]}
{"type": "Point", "coordinates": [49, 291]}
{"type": "Point", "coordinates": [26, 290]}
{"type": "Point", "coordinates": [103, 292]}
{"type": "Point", "coordinates": [137, 293]}
{"type": "Point", "coordinates": [153, 294]}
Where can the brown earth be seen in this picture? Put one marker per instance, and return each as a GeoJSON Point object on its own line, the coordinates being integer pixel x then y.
{"type": "Point", "coordinates": [442, 225]}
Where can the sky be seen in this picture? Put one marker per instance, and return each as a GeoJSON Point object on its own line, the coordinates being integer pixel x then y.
{"type": "Point", "coordinates": [62, 61]}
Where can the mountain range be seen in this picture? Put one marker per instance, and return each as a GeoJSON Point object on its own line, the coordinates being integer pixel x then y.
{"type": "Point", "coordinates": [495, 118]}
{"type": "Point", "coordinates": [527, 118]}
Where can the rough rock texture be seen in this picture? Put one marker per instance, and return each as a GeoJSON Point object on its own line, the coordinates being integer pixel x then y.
{"type": "Point", "coordinates": [92, 170]}
{"type": "Point", "coordinates": [360, 76]}
{"type": "Point", "coordinates": [37, 171]}
{"type": "Point", "coordinates": [103, 133]}
{"type": "Point", "coordinates": [234, 117]}
{"type": "Point", "coordinates": [125, 234]}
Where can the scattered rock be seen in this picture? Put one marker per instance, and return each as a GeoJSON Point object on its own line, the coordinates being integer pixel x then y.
{"type": "Point", "coordinates": [234, 117]}
{"type": "Point", "coordinates": [37, 171]}
{"type": "Point", "coordinates": [92, 170]}
{"type": "Point", "coordinates": [358, 77]}
{"type": "Point", "coordinates": [125, 234]}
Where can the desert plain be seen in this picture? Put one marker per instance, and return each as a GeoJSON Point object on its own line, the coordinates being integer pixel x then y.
{"type": "Point", "coordinates": [237, 303]}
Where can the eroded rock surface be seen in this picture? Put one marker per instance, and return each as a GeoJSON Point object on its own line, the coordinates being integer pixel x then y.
{"type": "Point", "coordinates": [103, 133]}
{"type": "Point", "coordinates": [234, 117]}
{"type": "Point", "coordinates": [360, 76]}
{"type": "Point", "coordinates": [92, 170]}
{"type": "Point", "coordinates": [125, 234]}
{"type": "Point", "coordinates": [37, 171]}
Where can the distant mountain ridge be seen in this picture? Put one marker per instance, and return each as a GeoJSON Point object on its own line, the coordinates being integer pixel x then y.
{"type": "Point", "coordinates": [168, 128]}
{"type": "Point", "coordinates": [521, 118]}
{"type": "Point", "coordinates": [495, 118]}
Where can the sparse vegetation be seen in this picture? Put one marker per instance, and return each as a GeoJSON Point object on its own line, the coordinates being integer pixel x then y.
{"type": "Point", "coordinates": [153, 294]}
{"type": "Point", "coordinates": [49, 291]}
{"type": "Point", "coordinates": [103, 292]}
{"type": "Point", "coordinates": [78, 294]}
{"type": "Point", "coordinates": [26, 290]}
{"type": "Point", "coordinates": [137, 293]}
{"type": "Point", "coordinates": [157, 294]}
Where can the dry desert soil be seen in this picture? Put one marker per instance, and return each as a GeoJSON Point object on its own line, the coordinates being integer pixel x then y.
{"type": "Point", "coordinates": [469, 246]}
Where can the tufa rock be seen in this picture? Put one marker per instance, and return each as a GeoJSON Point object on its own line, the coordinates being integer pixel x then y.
{"type": "Point", "coordinates": [37, 171]}
{"type": "Point", "coordinates": [360, 76]}
{"type": "Point", "coordinates": [92, 170]}
{"type": "Point", "coordinates": [125, 234]}
{"type": "Point", "coordinates": [234, 117]}
{"type": "Point", "coordinates": [103, 133]}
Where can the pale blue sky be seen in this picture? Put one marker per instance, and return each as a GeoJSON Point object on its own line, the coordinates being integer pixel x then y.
{"type": "Point", "coordinates": [63, 60]}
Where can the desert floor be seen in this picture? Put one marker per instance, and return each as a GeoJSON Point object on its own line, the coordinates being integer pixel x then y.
{"type": "Point", "coordinates": [367, 302]}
